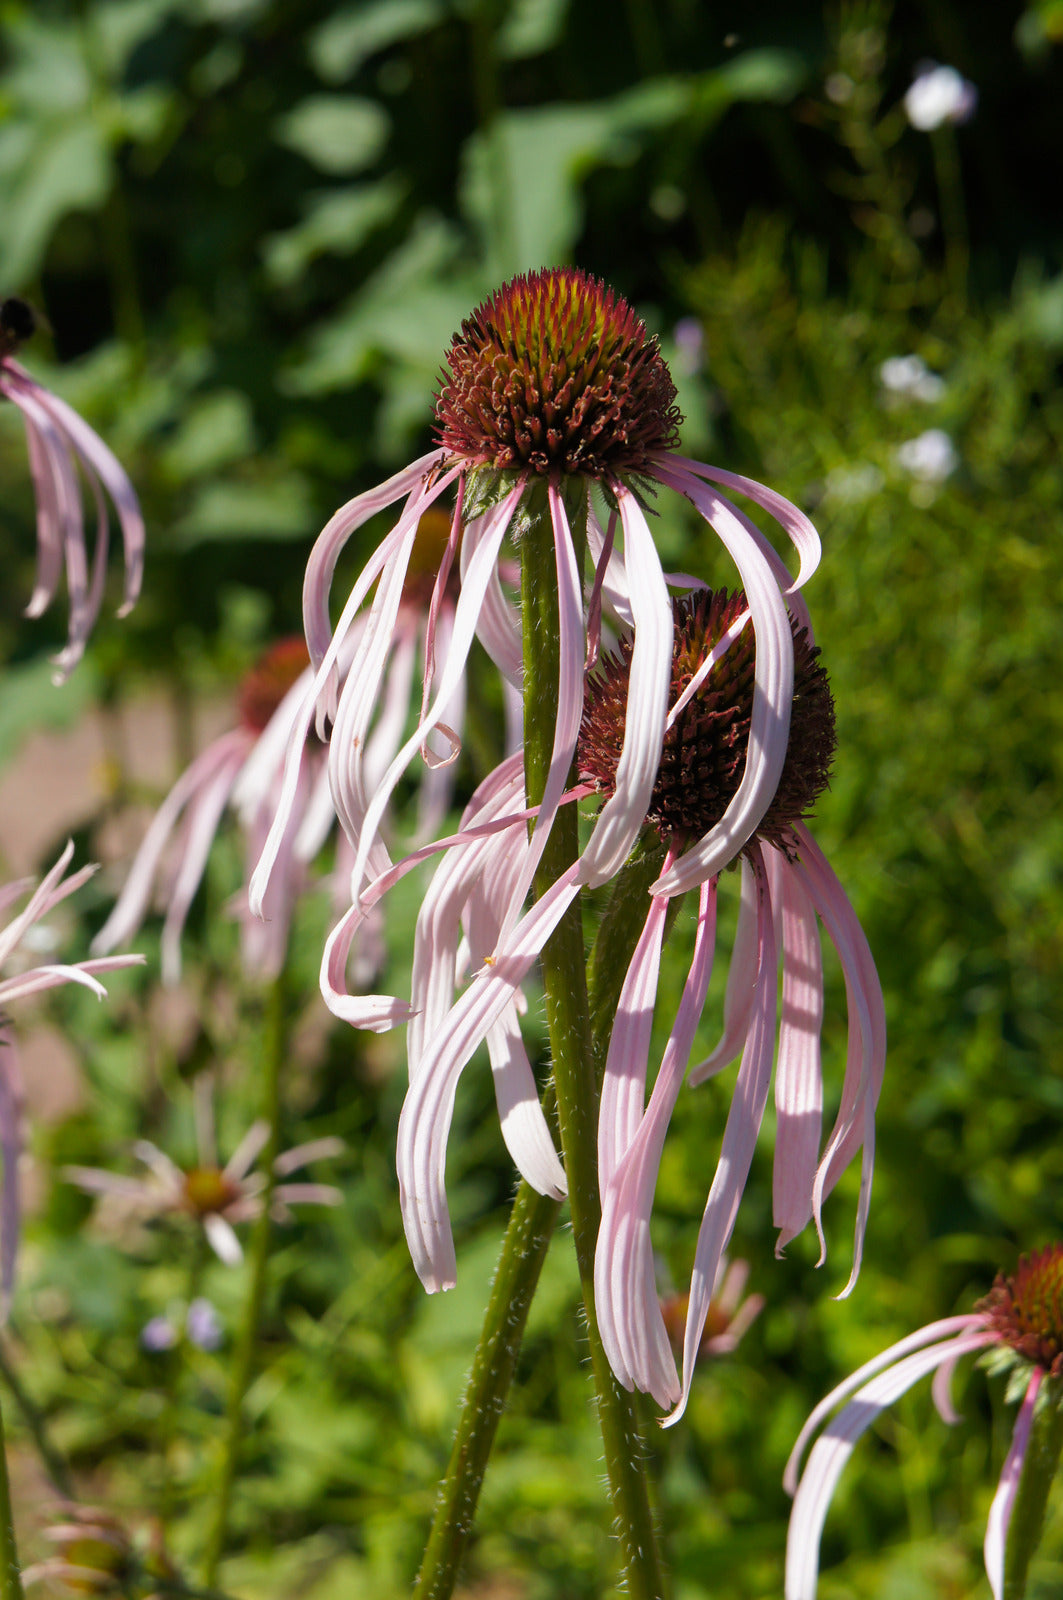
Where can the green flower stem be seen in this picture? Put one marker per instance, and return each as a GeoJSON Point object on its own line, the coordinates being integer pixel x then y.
{"type": "Point", "coordinates": [10, 1572]}
{"type": "Point", "coordinates": [531, 1225]}
{"type": "Point", "coordinates": [1039, 1468]}
{"type": "Point", "coordinates": [572, 1049]}
{"type": "Point", "coordinates": [51, 1460]}
{"type": "Point", "coordinates": [528, 1235]}
{"type": "Point", "coordinates": [257, 1259]}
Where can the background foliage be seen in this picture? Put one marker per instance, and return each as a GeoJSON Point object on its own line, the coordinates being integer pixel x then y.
{"type": "Point", "coordinates": [253, 226]}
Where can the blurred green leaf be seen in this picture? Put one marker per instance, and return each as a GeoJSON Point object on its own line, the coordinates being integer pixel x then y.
{"type": "Point", "coordinates": [31, 700]}
{"type": "Point", "coordinates": [530, 27]}
{"type": "Point", "coordinates": [64, 168]}
{"type": "Point", "coordinates": [338, 133]}
{"type": "Point", "coordinates": [342, 44]}
{"type": "Point", "coordinates": [216, 429]}
{"type": "Point", "coordinates": [230, 510]}
{"type": "Point", "coordinates": [337, 220]}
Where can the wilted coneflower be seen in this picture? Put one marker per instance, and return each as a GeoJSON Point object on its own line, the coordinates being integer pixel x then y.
{"type": "Point", "coordinates": [1020, 1322]}
{"type": "Point", "coordinates": [33, 978]}
{"type": "Point", "coordinates": [786, 882]}
{"type": "Point", "coordinates": [552, 385]}
{"type": "Point", "coordinates": [241, 768]}
{"type": "Point", "coordinates": [59, 442]}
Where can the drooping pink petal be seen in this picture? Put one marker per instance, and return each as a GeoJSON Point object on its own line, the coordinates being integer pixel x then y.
{"type": "Point", "coordinates": [374, 1012]}
{"type": "Point", "coordinates": [866, 1053]}
{"type": "Point", "coordinates": [996, 1532]}
{"type": "Point", "coordinates": [426, 1114]}
{"type": "Point", "coordinates": [624, 813]}
{"type": "Point", "coordinates": [524, 1127]}
{"type": "Point", "coordinates": [798, 1072]}
{"type": "Point", "coordinates": [465, 619]}
{"type": "Point", "coordinates": [741, 984]}
{"type": "Point", "coordinates": [772, 694]}
{"type": "Point", "coordinates": [623, 1096]}
{"type": "Point", "coordinates": [834, 1447]}
{"type": "Point", "coordinates": [625, 1291]}
{"type": "Point", "coordinates": [739, 1139]}
{"type": "Point", "coordinates": [948, 1331]}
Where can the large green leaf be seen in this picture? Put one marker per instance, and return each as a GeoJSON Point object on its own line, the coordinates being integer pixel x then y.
{"type": "Point", "coordinates": [337, 133]}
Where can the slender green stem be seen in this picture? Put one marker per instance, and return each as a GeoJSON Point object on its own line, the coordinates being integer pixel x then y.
{"type": "Point", "coordinates": [1039, 1468]}
{"type": "Point", "coordinates": [258, 1258]}
{"type": "Point", "coordinates": [10, 1579]}
{"type": "Point", "coordinates": [524, 1248]}
{"type": "Point", "coordinates": [531, 1225]}
{"type": "Point", "coordinates": [572, 1049]}
{"type": "Point", "coordinates": [52, 1461]}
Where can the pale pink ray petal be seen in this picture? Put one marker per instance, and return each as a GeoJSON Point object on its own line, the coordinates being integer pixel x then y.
{"type": "Point", "coordinates": [798, 1071]}
{"type": "Point", "coordinates": [375, 1012]}
{"type": "Point", "coordinates": [199, 829]}
{"type": "Point", "coordinates": [224, 756]}
{"type": "Point", "coordinates": [330, 542]}
{"type": "Point", "coordinates": [624, 813]}
{"type": "Point", "coordinates": [247, 1151]}
{"type": "Point", "coordinates": [300, 1155]}
{"type": "Point", "coordinates": [569, 700]}
{"type": "Point", "coordinates": [629, 1311]}
{"type": "Point", "coordinates": [222, 1239]}
{"type": "Point", "coordinates": [741, 984]}
{"type": "Point", "coordinates": [308, 1194]}
{"type": "Point", "coordinates": [499, 626]}
{"type": "Point", "coordinates": [829, 1455]}
{"type": "Point", "coordinates": [524, 1127]}
{"type": "Point", "coordinates": [167, 1172]}
{"type": "Point", "coordinates": [798, 527]}
{"type": "Point", "coordinates": [866, 1052]}
{"type": "Point", "coordinates": [38, 979]}
{"type": "Point", "coordinates": [996, 1532]}
{"type": "Point", "coordinates": [950, 1331]}
{"type": "Point", "coordinates": [94, 1180]}
{"type": "Point", "coordinates": [101, 462]}
{"type": "Point", "coordinates": [424, 1124]}
{"type": "Point", "coordinates": [623, 1097]}
{"type": "Point", "coordinates": [714, 656]}
{"type": "Point", "coordinates": [772, 694]}
{"type": "Point", "coordinates": [739, 1141]}
{"type": "Point", "coordinates": [46, 487]}
{"type": "Point", "coordinates": [614, 587]}
{"type": "Point", "coordinates": [602, 549]}
{"type": "Point", "coordinates": [465, 617]}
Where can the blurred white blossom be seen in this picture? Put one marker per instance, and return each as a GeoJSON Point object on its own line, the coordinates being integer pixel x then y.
{"type": "Point", "coordinates": [931, 457]}
{"type": "Point", "coordinates": [910, 377]}
{"type": "Point", "coordinates": [938, 95]}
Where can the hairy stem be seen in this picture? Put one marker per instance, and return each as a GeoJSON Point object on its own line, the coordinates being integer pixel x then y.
{"type": "Point", "coordinates": [258, 1257]}
{"type": "Point", "coordinates": [10, 1574]}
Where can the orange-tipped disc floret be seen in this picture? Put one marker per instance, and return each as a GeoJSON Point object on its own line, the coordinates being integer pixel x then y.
{"type": "Point", "coordinates": [704, 752]}
{"type": "Point", "coordinates": [1026, 1311]}
{"type": "Point", "coordinates": [555, 374]}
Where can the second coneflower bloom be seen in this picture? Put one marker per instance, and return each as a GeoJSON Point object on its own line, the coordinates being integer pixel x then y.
{"type": "Point", "coordinates": [787, 887]}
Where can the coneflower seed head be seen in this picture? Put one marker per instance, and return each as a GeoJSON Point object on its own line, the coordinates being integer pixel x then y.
{"type": "Point", "coordinates": [1026, 1311]}
{"type": "Point", "coordinates": [555, 374]}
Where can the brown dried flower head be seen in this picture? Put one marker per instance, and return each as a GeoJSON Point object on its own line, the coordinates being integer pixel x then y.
{"type": "Point", "coordinates": [1026, 1311]}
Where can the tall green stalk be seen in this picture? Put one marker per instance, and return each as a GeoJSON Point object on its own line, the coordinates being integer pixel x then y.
{"type": "Point", "coordinates": [573, 1054]}
{"type": "Point", "coordinates": [257, 1261]}
{"type": "Point", "coordinates": [10, 1572]}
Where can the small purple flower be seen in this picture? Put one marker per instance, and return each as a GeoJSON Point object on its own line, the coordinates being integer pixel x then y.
{"type": "Point", "coordinates": [938, 95]}
{"type": "Point", "coordinates": [204, 1326]}
{"type": "Point", "coordinates": [59, 442]}
{"type": "Point", "coordinates": [1020, 1320]}
{"type": "Point", "coordinates": [158, 1335]}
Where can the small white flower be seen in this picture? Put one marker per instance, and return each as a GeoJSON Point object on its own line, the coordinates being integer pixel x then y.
{"type": "Point", "coordinates": [931, 457]}
{"type": "Point", "coordinates": [938, 95]}
{"type": "Point", "coordinates": [909, 376]}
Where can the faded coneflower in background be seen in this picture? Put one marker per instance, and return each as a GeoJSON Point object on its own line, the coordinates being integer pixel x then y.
{"type": "Point", "coordinates": [59, 442]}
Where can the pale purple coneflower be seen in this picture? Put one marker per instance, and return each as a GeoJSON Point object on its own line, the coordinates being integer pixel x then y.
{"type": "Point", "coordinates": [59, 442]}
{"type": "Point", "coordinates": [553, 385]}
{"type": "Point", "coordinates": [242, 768]}
{"type": "Point", "coordinates": [1020, 1321]}
{"type": "Point", "coordinates": [786, 884]}
{"type": "Point", "coordinates": [216, 1196]}
{"type": "Point", "coordinates": [731, 1312]}
{"type": "Point", "coordinates": [32, 978]}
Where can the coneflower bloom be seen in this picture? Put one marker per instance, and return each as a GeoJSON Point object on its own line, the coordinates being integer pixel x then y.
{"type": "Point", "coordinates": [215, 1196]}
{"type": "Point", "coordinates": [552, 386]}
{"type": "Point", "coordinates": [59, 442]}
{"type": "Point", "coordinates": [242, 768]}
{"type": "Point", "coordinates": [785, 883]}
{"type": "Point", "coordinates": [31, 978]}
{"type": "Point", "coordinates": [1020, 1321]}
